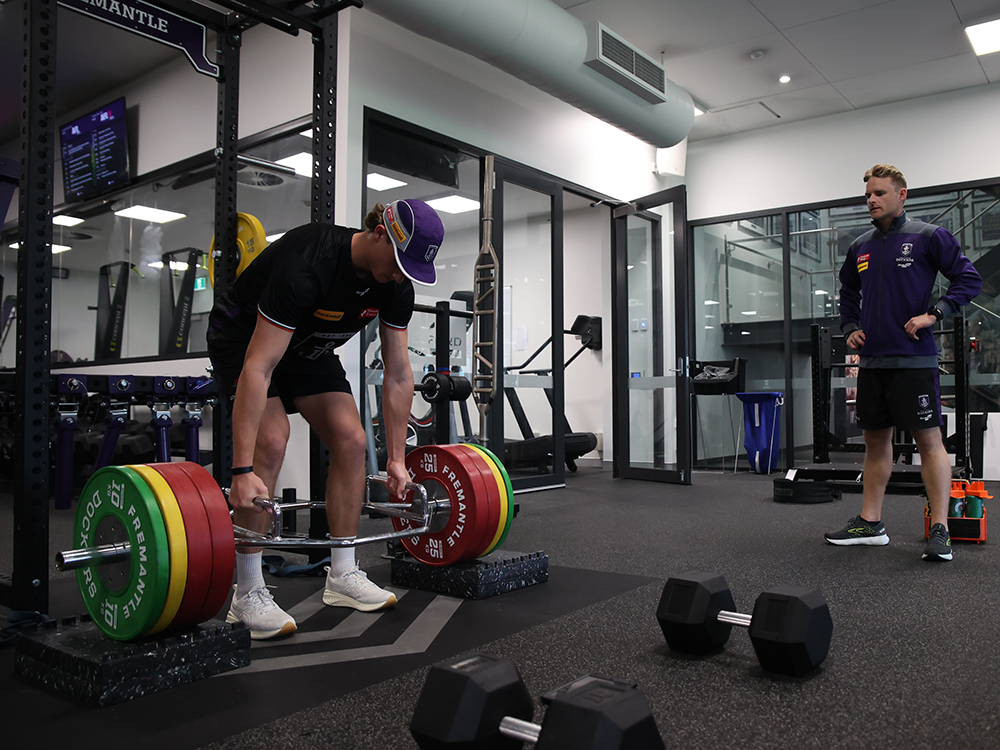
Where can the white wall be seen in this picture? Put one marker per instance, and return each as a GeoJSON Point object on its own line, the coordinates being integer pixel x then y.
{"type": "Point", "coordinates": [935, 140]}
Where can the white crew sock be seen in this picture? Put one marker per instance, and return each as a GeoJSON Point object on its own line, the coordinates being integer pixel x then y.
{"type": "Point", "coordinates": [249, 574]}
{"type": "Point", "coordinates": [341, 558]}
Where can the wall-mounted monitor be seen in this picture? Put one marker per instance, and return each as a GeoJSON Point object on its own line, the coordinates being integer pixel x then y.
{"type": "Point", "coordinates": [95, 152]}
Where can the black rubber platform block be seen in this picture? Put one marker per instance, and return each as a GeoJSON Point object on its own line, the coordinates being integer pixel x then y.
{"type": "Point", "coordinates": [78, 661]}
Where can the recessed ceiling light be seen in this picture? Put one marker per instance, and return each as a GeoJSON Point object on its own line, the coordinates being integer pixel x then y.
{"type": "Point", "coordinates": [272, 237]}
{"type": "Point", "coordinates": [150, 214]}
{"type": "Point", "coordinates": [376, 181]}
{"type": "Point", "coordinates": [785, 79]}
{"type": "Point", "coordinates": [175, 265]}
{"type": "Point", "coordinates": [66, 221]}
{"type": "Point", "coordinates": [300, 162]}
{"type": "Point", "coordinates": [821, 292]}
{"type": "Point", "coordinates": [307, 133]}
{"type": "Point", "coordinates": [55, 248]}
{"type": "Point", "coordinates": [454, 204]}
{"type": "Point", "coordinates": [698, 112]}
{"type": "Point", "coordinates": [985, 37]}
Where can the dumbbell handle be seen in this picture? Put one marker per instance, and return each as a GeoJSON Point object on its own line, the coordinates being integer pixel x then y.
{"type": "Point", "coordinates": [519, 729]}
{"type": "Point", "coordinates": [735, 618]}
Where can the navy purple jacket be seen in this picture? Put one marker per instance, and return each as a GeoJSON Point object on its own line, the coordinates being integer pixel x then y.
{"type": "Point", "coordinates": [894, 275]}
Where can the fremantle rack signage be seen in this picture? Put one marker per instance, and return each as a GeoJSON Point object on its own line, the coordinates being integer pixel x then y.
{"type": "Point", "coordinates": [153, 23]}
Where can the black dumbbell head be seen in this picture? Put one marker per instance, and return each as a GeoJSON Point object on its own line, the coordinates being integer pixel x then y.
{"type": "Point", "coordinates": [791, 629]}
{"type": "Point", "coordinates": [464, 699]}
{"type": "Point", "coordinates": [688, 612]}
{"type": "Point", "coordinates": [595, 713]}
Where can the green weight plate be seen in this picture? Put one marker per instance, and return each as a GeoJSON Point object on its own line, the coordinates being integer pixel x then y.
{"type": "Point", "coordinates": [124, 599]}
{"type": "Point", "coordinates": [510, 494]}
{"type": "Point", "coordinates": [501, 523]}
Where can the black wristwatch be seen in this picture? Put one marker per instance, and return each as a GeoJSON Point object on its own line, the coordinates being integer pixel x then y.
{"type": "Point", "coordinates": [936, 312]}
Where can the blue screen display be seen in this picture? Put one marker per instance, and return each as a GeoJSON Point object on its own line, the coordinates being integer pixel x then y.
{"type": "Point", "coordinates": [95, 152]}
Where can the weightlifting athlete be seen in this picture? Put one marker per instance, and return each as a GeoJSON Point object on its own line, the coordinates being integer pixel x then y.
{"type": "Point", "coordinates": [273, 338]}
{"type": "Point", "coordinates": [887, 314]}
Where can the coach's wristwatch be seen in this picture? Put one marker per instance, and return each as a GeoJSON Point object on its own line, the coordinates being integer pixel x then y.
{"type": "Point", "coordinates": [936, 312]}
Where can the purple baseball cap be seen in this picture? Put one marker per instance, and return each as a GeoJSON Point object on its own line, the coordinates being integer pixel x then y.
{"type": "Point", "coordinates": [416, 233]}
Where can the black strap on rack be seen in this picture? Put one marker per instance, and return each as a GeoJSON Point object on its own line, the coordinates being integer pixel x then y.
{"type": "Point", "coordinates": [111, 312]}
{"type": "Point", "coordinates": [175, 313]}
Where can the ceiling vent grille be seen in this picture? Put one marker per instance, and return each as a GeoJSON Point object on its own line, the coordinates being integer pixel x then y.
{"type": "Point", "coordinates": [612, 56]}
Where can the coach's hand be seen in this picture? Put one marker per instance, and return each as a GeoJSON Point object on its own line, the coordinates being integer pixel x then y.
{"type": "Point", "coordinates": [917, 322]}
{"type": "Point", "coordinates": [857, 339]}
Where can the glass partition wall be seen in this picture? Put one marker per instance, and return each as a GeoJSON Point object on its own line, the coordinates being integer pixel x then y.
{"type": "Point", "coordinates": [738, 314]}
{"type": "Point", "coordinates": [110, 254]}
{"type": "Point", "coordinates": [759, 288]}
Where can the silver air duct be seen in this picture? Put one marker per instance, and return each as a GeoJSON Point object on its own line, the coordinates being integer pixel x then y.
{"type": "Point", "coordinates": [543, 45]}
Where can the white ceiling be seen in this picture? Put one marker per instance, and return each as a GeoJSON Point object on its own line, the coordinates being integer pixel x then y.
{"type": "Point", "coordinates": [841, 55]}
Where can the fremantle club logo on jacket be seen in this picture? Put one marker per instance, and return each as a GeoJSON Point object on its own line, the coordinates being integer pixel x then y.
{"type": "Point", "coordinates": [905, 261]}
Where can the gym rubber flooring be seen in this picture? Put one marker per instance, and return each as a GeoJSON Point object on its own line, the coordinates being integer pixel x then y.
{"type": "Point", "coordinates": [914, 661]}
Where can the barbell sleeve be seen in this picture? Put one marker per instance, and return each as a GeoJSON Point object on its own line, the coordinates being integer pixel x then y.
{"type": "Point", "coordinates": [83, 558]}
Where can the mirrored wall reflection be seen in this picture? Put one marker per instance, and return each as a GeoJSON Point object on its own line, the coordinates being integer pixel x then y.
{"type": "Point", "coordinates": [121, 285]}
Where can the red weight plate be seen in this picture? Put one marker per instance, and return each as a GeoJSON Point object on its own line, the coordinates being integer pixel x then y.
{"type": "Point", "coordinates": [489, 501]}
{"type": "Point", "coordinates": [223, 539]}
{"type": "Point", "coordinates": [482, 499]}
{"type": "Point", "coordinates": [446, 475]}
{"type": "Point", "coordinates": [199, 543]}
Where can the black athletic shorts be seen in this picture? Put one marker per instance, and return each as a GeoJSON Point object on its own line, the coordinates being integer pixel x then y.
{"type": "Point", "coordinates": [293, 377]}
{"type": "Point", "coordinates": [907, 399]}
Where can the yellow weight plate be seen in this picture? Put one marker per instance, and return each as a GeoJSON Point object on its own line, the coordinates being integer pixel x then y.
{"type": "Point", "coordinates": [176, 542]}
{"type": "Point", "coordinates": [504, 500]}
{"type": "Point", "coordinates": [250, 242]}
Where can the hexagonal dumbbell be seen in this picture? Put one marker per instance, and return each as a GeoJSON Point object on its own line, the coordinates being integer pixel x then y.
{"type": "Point", "coordinates": [790, 627]}
{"type": "Point", "coordinates": [479, 701]}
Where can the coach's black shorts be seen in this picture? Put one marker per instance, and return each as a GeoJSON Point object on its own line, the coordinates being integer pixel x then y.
{"type": "Point", "coordinates": [293, 377]}
{"type": "Point", "coordinates": [907, 399]}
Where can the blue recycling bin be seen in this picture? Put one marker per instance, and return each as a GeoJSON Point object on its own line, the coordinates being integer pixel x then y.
{"type": "Point", "coordinates": [762, 429]}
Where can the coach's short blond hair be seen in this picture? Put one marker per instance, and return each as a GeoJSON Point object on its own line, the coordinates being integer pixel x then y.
{"type": "Point", "coordinates": [887, 170]}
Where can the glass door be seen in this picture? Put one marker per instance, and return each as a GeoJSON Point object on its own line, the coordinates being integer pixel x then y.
{"type": "Point", "coordinates": [651, 343]}
{"type": "Point", "coordinates": [528, 419]}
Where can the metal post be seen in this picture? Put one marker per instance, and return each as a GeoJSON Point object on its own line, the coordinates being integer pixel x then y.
{"type": "Point", "coordinates": [29, 587]}
{"type": "Point", "coordinates": [225, 219]}
{"type": "Point", "coordinates": [323, 183]}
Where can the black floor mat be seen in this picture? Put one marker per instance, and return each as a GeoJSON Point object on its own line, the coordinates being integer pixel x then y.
{"type": "Point", "coordinates": [335, 651]}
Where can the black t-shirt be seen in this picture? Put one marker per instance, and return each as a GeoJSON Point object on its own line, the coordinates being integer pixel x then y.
{"type": "Point", "coordinates": [306, 283]}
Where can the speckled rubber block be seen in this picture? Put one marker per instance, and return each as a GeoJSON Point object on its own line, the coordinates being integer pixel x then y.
{"type": "Point", "coordinates": [496, 573]}
{"type": "Point", "coordinates": [76, 660]}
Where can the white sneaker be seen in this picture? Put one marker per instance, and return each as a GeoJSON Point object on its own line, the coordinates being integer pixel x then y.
{"type": "Point", "coordinates": [353, 589]}
{"type": "Point", "coordinates": [259, 612]}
